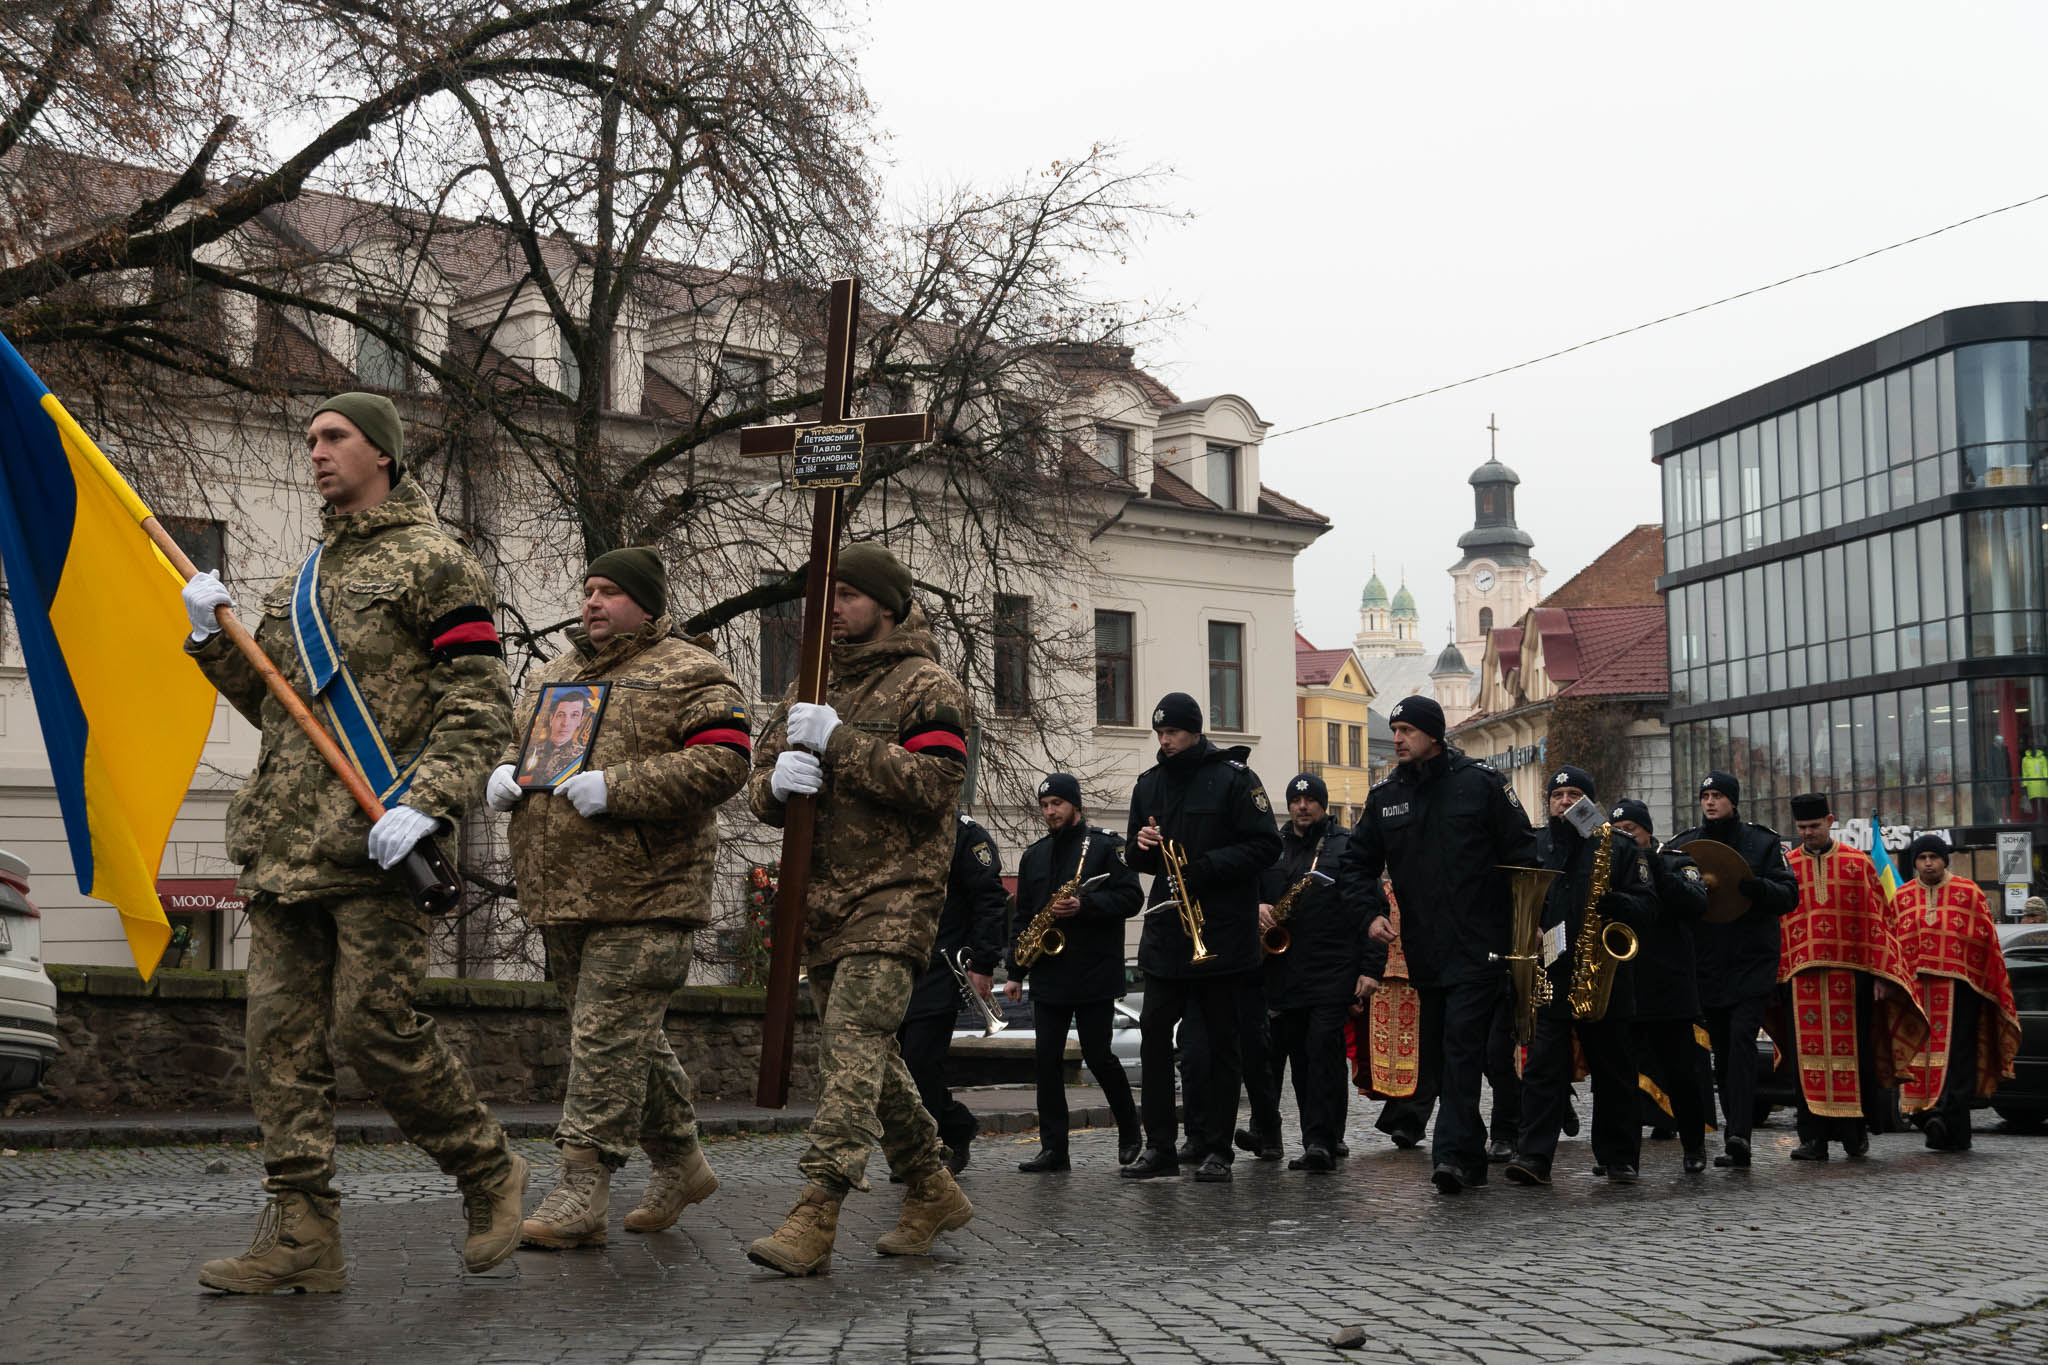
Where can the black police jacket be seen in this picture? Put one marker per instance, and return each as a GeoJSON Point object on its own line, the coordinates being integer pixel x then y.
{"type": "Point", "coordinates": [1090, 966]}
{"type": "Point", "coordinates": [1631, 899]}
{"type": "Point", "coordinates": [1207, 800]}
{"type": "Point", "coordinates": [1739, 959]}
{"type": "Point", "coordinates": [1667, 981]}
{"type": "Point", "coordinates": [1440, 829]}
{"type": "Point", "coordinates": [1328, 947]}
{"type": "Point", "coordinates": [973, 919]}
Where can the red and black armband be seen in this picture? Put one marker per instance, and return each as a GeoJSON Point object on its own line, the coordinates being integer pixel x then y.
{"type": "Point", "coordinates": [466, 630]}
{"type": "Point", "coordinates": [728, 731]}
{"type": "Point", "coordinates": [941, 735]}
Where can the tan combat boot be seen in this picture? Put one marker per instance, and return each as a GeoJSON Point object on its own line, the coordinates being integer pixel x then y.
{"type": "Point", "coordinates": [493, 1212]}
{"type": "Point", "coordinates": [803, 1244]}
{"type": "Point", "coordinates": [935, 1204]}
{"type": "Point", "coordinates": [297, 1246]}
{"type": "Point", "coordinates": [674, 1186]}
{"type": "Point", "coordinates": [573, 1214]}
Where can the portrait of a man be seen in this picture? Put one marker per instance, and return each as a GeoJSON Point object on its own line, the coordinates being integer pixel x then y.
{"type": "Point", "coordinates": [559, 736]}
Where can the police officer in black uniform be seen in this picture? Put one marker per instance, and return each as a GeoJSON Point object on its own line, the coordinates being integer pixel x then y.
{"type": "Point", "coordinates": [1077, 987]}
{"type": "Point", "coordinates": [1440, 825]}
{"type": "Point", "coordinates": [1630, 899]}
{"type": "Point", "coordinates": [1738, 961]}
{"type": "Point", "coordinates": [976, 905]}
{"type": "Point", "coordinates": [1205, 800]}
{"type": "Point", "coordinates": [1321, 971]}
{"type": "Point", "coordinates": [1667, 982]}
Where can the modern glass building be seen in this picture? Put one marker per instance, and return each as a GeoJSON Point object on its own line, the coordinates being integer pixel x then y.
{"type": "Point", "coordinates": [1853, 575]}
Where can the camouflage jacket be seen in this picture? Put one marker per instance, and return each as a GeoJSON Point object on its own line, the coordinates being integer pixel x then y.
{"type": "Point", "coordinates": [893, 772]}
{"type": "Point", "coordinates": [410, 610]}
{"type": "Point", "coordinates": [672, 744]}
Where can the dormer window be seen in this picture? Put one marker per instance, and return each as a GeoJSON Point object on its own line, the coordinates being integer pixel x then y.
{"type": "Point", "coordinates": [381, 363]}
{"type": "Point", "coordinates": [571, 371]}
{"type": "Point", "coordinates": [1223, 462]}
{"type": "Point", "coordinates": [1113, 449]}
{"type": "Point", "coordinates": [742, 383]}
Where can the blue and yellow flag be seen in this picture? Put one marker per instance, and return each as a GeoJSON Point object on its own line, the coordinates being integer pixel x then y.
{"type": "Point", "coordinates": [1887, 873]}
{"type": "Point", "coordinates": [124, 711]}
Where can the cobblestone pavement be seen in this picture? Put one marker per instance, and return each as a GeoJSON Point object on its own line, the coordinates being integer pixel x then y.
{"type": "Point", "coordinates": [1913, 1255]}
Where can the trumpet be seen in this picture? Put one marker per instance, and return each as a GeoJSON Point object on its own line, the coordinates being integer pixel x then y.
{"type": "Point", "coordinates": [1189, 908]}
{"type": "Point", "coordinates": [992, 1022]}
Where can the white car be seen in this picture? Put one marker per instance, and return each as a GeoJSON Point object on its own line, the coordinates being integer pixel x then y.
{"type": "Point", "coordinates": [28, 998]}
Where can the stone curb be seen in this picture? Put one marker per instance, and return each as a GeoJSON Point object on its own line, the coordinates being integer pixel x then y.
{"type": "Point", "coordinates": [1829, 1332]}
{"type": "Point", "coordinates": [173, 1130]}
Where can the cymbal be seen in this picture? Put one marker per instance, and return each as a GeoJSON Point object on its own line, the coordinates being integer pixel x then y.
{"type": "Point", "coordinates": [1728, 869]}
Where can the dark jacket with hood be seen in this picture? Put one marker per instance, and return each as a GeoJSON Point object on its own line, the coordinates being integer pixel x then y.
{"type": "Point", "coordinates": [1207, 800]}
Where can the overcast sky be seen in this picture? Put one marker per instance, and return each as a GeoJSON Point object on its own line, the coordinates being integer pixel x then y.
{"type": "Point", "coordinates": [1387, 197]}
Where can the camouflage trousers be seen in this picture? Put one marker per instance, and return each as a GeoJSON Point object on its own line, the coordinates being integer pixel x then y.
{"type": "Point", "coordinates": [867, 1095]}
{"type": "Point", "coordinates": [339, 976]}
{"type": "Point", "coordinates": [625, 1082]}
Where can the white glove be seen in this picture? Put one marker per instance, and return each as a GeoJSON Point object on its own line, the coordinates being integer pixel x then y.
{"type": "Point", "coordinates": [796, 774]}
{"type": "Point", "coordinates": [503, 791]}
{"type": "Point", "coordinates": [585, 792]}
{"type": "Point", "coordinates": [811, 725]}
{"type": "Point", "coordinates": [202, 593]}
{"type": "Point", "coordinates": [393, 837]}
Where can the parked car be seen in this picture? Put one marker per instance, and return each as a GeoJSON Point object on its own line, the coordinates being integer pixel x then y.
{"type": "Point", "coordinates": [28, 998]}
{"type": "Point", "coordinates": [2023, 1101]}
{"type": "Point", "coordinates": [1019, 1036]}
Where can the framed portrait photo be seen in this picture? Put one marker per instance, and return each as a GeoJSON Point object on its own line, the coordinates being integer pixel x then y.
{"type": "Point", "coordinates": [558, 740]}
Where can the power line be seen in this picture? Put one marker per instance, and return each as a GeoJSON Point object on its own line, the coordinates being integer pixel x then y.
{"type": "Point", "coordinates": [1657, 322]}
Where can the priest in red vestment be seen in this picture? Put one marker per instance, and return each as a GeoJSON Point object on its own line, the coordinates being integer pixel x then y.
{"type": "Point", "coordinates": [1959, 972]}
{"type": "Point", "coordinates": [1852, 1013]}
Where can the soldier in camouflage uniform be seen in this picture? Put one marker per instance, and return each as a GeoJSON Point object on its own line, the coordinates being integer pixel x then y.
{"type": "Point", "coordinates": [884, 755]}
{"type": "Point", "coordinates": [615, 869]}
{"type": "Point", "coordinates": [333, 934]}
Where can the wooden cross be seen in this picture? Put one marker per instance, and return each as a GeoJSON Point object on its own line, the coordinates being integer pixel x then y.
{"type": "Point", "coordinates": [827, 457]}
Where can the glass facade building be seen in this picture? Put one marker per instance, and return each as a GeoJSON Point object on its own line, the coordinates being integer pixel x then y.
{"type": "Point", "coordinates": [1853, 578]}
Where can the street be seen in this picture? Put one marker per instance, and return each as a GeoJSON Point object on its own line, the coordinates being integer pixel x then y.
{"type": "Point", "coordinates": [99, 1249]}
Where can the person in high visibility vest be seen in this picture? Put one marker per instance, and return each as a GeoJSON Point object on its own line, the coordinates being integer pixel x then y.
{"type": "Point", "coordinates": [2034, 773]}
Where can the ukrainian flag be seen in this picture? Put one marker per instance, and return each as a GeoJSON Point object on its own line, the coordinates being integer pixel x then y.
{"type": "Point", "coordinates": [1887, 874]}
{"type": "Point", "coordinates": [124, 711]}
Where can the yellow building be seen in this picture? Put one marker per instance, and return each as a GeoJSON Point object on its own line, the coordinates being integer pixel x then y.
{"type": "Point", "coordinates": [1334, 725]}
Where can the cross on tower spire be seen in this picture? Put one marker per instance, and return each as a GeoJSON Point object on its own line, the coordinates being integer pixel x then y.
{"type": "Point", "coordinates": [1492, 437]}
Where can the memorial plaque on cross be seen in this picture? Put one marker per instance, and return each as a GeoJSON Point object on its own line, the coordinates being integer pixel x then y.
{"type": "Point", "coordinates": [827, 455]}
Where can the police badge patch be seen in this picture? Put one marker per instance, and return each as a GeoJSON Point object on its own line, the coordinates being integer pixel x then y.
{"type": "Point", "coordinates": [1159, 718]}
{"type": "Point", "coordinates": [1259, 800]}
{"type": "Point", "coordinates": [1692, 874]}
{"type": "Point", "coordinates": [1643, 873]}
{"type": "Point", "coordinates": [983, 856]}
{"type": "Point", "coordinates": [1120, 856]}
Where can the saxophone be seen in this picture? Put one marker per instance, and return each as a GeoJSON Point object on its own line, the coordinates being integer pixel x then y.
{"type": "Point", "coordinates": [1041, 937]}
{"type": "Point", "coordinates": [1603, 944]}
{"type": "Point", "coordinates": [1276, 939]}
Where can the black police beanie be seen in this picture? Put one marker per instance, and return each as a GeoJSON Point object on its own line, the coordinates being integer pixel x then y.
{"type": "Point", "coordinates": [1178, 711]}
{"type": "Point", "coordinates": [638, 570]}
{"type": "Point", "coordinates": [1569, 776]}
{"type": "Point", "coordinates": [1063, 785]}
{"type": "Point", "coordinates": [377, 418]}
{"type": "Point", "coordinates": [1421, 712]}
{"type": "Point", "coordinates": [1724, 783]}
{"type": "Point", "coordinates": [1628, 808]}
{"type": "Point", "coordinates": [1928, 843]}
{"type": "Point", "coordinates": [1311, 786]}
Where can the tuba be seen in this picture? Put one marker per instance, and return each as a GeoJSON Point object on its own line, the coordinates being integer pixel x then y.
{"type": "Point", "coordinates": [1527, 887]}
{"type": "Point", "coordinates": [1041, 937]}
{"type": "Point", "coordinates": [1189, 908]}
{"type": "Point", "coordinates": [1602, 944]}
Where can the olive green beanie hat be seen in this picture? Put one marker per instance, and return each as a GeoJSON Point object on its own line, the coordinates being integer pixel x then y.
{"type": "Point", "coordinates": [377, 418]}
{"type": "Point", "coordinates": [638, 570]}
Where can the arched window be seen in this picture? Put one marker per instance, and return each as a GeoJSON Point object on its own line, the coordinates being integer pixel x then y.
{"type": "Point", "coordinates": [1486, 620]}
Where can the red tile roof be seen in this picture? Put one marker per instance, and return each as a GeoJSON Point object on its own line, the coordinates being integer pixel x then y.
{"type": "Point", "coordinates": [1625, 574]}
{"type": "Point", "coordinates": [1317, 667]}
{"type": "Point", "coordinates": [1618, 652]}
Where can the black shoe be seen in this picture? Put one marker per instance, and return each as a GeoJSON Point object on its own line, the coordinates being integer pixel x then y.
{"type": "Point", "coordinates": [1599, 1170]}
{"type": "Point", "coordinates": [1151, 1162]}
{"type": "Point", "coordinates": [1127, 1152]}
{"type": "Point", "coordinates": [1406, 1138]}
{"type": "Point", "coordinates": [1571, 1120]}
{"type": "Point", "coordinates": [1500, 1150]}
{"type": "Point", "coordinates": [1266, 1147]}
{"type": "Point", "coordinates": [1857, 1148]}
{"type": "Point", "coordinates": [1313, 1159]}
{"type": "Point", "coordinates": [1187, 1151]}
{"type": "Point", "coordinates": [1695, 1160]}
{"type": "Point", "coordinates": [1214, 1170]}
{"type": "Point", "coordinates": [956, 1154]}
{"type": "Point", "coordinates": [1735, 1155]}
{"type": "Point", "coordinates": [1622, 1175]}
{"type": "Point", "coordinates": [1527, 1170]}
{"type": "Point", "coordinates": [1447, 1178]}
{"type": "Point", "coordinates": [1046, 1161]}
{"type": "Point", "coordinates": [1663, 1134]}
{"type": "Point", "coordinates": [1340, 1151]}
{"type": "Point", "coordinates": [1817, 1150]}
